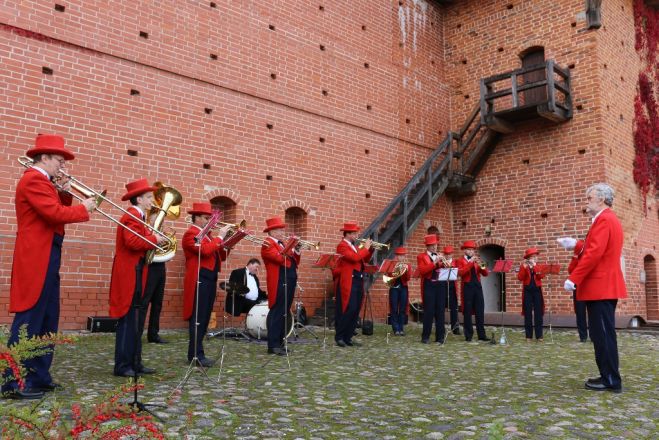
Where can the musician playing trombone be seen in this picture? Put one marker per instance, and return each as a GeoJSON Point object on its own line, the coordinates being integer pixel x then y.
{"type": "Point", "coordinates": [349, 283]}
{"type": "Point", "coordinates": [42, 210]}
{"type": "Point", "coordinates": [398, 292]}
{"type": "Point", "coordinates": [470, 270]}
{"type": "Point", "coordinates": [129, 274]}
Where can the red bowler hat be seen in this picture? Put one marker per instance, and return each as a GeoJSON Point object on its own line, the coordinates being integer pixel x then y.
{"type": "Point", "coordinates": [469, 244]}
{"type": "Point", "coordinates": [201, 208]}
{"type": "Point", "coordinates": [274, 223]}
{"type": "Point", "coordinates": [579, 247]}
{"type": "Point", "coordinates": [429, 240]}
{"type": "Point", "coordinates": [447, 250]}
{"type": "Point", "coordinates": [530, 252]}
{"type": "Point", "coordinates": [137, 188]}
{"type": "Point", "coordinates": [350, 227]}
{"type": "Point", "coordinates": [50, 144]}
{"type": "Point", "coordinates": [400, 251]}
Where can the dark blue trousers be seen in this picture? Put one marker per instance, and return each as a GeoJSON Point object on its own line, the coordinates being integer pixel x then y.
{"type": "Point", "coordinates": [582, 320]}
{"type": "Point", "coordinates": [154, 293]}
{"type": "Point", "coordinates": [473, 300]}
{"type": "Point", "coordinates": [280, 313]}
{"type": "Point", "coordinates": [533, 312]}
{"type": "Point", "coordinates": [202, 315]}
{"type": "Point", "coordinates": [127, 344]}
{"type": "Point", "coordinates": [397, 305]}
{"type": "Point", "coordinates": [434, 303]}
{"type": "Point", "coordinates": [40, 320]}
{"type": "Point", "coordinates": [602, 320]}
{"type": "Point", "coordinates": [346, 322]}
{"type": "Point", "coordinates": [452, 301]}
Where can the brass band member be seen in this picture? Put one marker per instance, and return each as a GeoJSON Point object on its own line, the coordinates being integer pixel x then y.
{"type": "Point", "coordinates": [470, 270]}
{"type": "Point", "coordinates": [398, 294]}
{"type": "Point", "coordinates": [450, 288]}
{"type": "Point", "coordinates": [533, 304]}
{"type": "Point", "coordinates": [41, 213]}
{"type": "Point", "coordinates": [434, 302]}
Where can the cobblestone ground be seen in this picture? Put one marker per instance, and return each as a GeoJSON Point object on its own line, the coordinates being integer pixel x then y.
{"type": "Point", "coordinates": [389, 388]}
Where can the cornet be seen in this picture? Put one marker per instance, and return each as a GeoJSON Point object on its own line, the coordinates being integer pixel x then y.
{"type": "Point", "coordinates": [374, 244]}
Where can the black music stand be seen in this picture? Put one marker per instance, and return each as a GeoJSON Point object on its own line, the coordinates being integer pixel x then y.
{"type": "Point", "coordinates": [326, 261]}
{"type": "Point", "coordinates": [502, 267]}
{"type": "Point", "coordinates": [549, 269]}
{"type": "Point", "coordinates": [448, 274]}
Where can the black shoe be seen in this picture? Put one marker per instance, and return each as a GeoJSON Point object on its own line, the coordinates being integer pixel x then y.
{"type": "Point", "coordinates": [486, 339]}
{"type": "Point", "coordinates": [594, 380]}
{"type": "Point", "coordinates": [341, 344]}
{"type": "Point", "coordinates": [277, 351]}
{"type": "Point", "coordinates": [468, 339]}
{"type": "Point", "coordinates": [48, 388]}
{"type": "Point", "coordinates": [157, 340]}
{"type": "Point", "coordinates": [601, 387]}
{"type": "Point", "coordinates": [439, 342]}
{"type": "Point", "coordinates": [353, 344]}
{"type": "Point", "coordinates": [126, 373]}
{"type": "Point", "coordinates": [456, 331]}
{"type": "Point", "coordinates": [145, 370]}
{"type": "Point", "coordinates": [355, 333]}
{"type": "Point", "coordinates": [205, 362]}
{"type": "Point", "coordinates": [25, 394]}
{"type": "Point", "coordinates": [583, 340]}
{"type": "Point", "coordinates": [425, 341]}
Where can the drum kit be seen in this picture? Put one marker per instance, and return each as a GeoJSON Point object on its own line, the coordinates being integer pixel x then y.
{"type": "Point", "coordinates": [255, 323]}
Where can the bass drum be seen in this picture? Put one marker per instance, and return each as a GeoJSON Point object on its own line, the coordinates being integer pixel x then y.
{"type": "Point", "coordinates": [255, 323]}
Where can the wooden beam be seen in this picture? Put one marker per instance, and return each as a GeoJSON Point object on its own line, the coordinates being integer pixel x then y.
{"type": "Point", "coordinates": [594, 14]}
{"type": "Point", "coordinates": [499, 125]}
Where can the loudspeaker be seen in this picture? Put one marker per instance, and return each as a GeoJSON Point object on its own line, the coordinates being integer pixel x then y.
{"type": "Point", "coordinates": [101, 324]}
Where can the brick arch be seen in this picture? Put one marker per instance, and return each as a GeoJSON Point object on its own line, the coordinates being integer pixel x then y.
{"type": "Point", "coordinates": [435, 223]}
{"type": "Point", "coordinates": [222, 192]}
{"type": "Point", "coordinates": [492, 241]}
{"type": "Point", "coordinates": [295, 203]}
{"type": "Point", "coordinates": [530, 46]}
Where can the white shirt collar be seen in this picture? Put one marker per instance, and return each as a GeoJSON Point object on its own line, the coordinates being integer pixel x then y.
{"type": "Point", "coordinates": [351, 245]}
{"type": "Point", "coordinates": [42, 171]}
{"type": "Point", "coordinates": [598, 214]}
{"type": "Point", "coordinates": [139, 210]}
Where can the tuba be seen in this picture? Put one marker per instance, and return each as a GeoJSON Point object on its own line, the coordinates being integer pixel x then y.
{"type": "Point", "coordinates": [399, 271]}
{"type": "Point", "coordinates": [167, 205]}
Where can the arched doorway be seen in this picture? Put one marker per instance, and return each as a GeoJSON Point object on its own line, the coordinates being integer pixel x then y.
{"type": "Point", "coordinates": [532, 57]}
{"type": "Point", "coordinates": [651, 293]}
{"type": "Point", "coordinates": [296, 222]}
{"type": "Point", "coordinates": [492, 287]}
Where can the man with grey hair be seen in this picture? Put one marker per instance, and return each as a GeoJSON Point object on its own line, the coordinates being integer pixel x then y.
{"type": "Point", "coordinates": [600, 282]}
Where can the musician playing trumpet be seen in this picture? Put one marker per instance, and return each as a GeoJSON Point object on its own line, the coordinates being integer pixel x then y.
{"type": "Point", "coordinates": [470, 270]}
{"type": "Point", "coordinates": [449, 287]}
{"type": "Point", "coordinates": [429, 264]}
{"type": "Point", "coordinates": [533, 305]}
{"type": "Point", "coordinates": [398, 292]}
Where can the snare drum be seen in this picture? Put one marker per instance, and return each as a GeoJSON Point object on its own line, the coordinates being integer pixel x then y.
{"type": "Point", "coordinates": [255, 323]}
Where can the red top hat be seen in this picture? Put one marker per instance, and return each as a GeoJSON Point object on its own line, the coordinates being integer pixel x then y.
{"type": "Point", "coordinates": [400, 251]}
{"type": "Point", "coordinates": [430, 239]}
{"type": "Point", "coordinates": [447, 250]}
{"type": "Point", "coordinates": [200, 208]}
{"type": "Point", "coordinates": [469, 244]}
{"type": "Point", "coordinates": [274, 223]}
{"type": "Point", "coordinates": [350, 227]}
{"type": "Point", "coordinates": [137, 188]}
{"type": "Point", "coordinates": [579, 247]}
{"type": "Point", "coordinates": [530, 252]}
{"type": "Point", "coordinates": [50, 144]}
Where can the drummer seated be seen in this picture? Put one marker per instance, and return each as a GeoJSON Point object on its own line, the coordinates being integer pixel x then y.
{"type": "Point", "coordinates": [243, 289]}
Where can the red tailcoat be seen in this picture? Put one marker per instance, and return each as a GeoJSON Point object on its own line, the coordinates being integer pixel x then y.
{"type": "Point", "coordinates": [597, 274]}
{"type": "Point", "coordinates": [524, 275]}
{"type": "Point", "coordinates": [464, 272]}
{"type": "Point", "coordinates": [211, 250]}
{"type": "Point", "coordinates": [40, 213]}
{"type": "Point", "coordinates": [273, 260]}
{"type": "Point", "coordinates": [129, 249]}
{"type": "Point", "coordinates": [349, 261]}
{"type": "Point", "coordinates": [426, 268]}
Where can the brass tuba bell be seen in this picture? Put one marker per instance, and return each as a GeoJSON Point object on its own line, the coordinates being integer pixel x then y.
{"type": "Point", "coordinates": [167, 205]}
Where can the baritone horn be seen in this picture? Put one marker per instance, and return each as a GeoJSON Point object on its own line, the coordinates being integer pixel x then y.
{"type": "Point", "coordinates": [88, 192]}
{"type": "Point", "coordinates": [375, 244]}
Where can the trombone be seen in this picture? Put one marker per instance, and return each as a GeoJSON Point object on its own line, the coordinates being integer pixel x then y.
{"type": "Point", "coordinates": [87, 191]}
{"type": "Point", "coordinates": [375, 244]}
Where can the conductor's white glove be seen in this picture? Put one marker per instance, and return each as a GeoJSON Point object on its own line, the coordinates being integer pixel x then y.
{"type": "Point", "coordinates": [568, 243]}
{"type": "Point", "coordinates": [569, 286]}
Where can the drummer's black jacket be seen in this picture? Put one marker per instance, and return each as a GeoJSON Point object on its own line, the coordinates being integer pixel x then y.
{"type": "Point", "coordinates": [237, 288]}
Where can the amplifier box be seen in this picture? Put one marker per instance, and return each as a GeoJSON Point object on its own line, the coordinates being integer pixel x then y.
{"type": "Point", "coordinates": [101, 324]}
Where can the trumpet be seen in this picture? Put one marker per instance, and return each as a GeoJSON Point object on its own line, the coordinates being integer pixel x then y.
{"type": "Point", "coordinates": [234, 226]}
{"type": "Point", "coordinates": [375, 244]}
{"type": "Point", "coordinates": [482, 264]}
{"type": "Point", "coordinates": [309, 245]}
{"type": "Point", "coordinates": [257, 240]}
{"type": "Point", "coordinates": [88, 192]}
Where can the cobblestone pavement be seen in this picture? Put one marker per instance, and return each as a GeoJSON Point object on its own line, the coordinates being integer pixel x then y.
{"type": "Point", "coordinates": [389, 388]}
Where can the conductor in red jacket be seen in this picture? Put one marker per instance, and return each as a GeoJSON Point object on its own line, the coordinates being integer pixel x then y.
{"type": "Point", "coordinates": [281, 275]}
{"type": "Point", "coordinates": [579, 306]}
{"type": "Point", "coordinates": [434, 300]}
{"type": "Point", "coordinates": [470, 270]}
{"type": "Point", "coordinates": [42, 210]}
{"type": "Point", "coordinates": [203, 258]}
{"type": "Point", "coordinates": [599, 281]}
{"type": "Point", "coordinates": [129, 277]}
{"type": "Point", "coordinates": [533, 305]}
{"type": "Point", "coordinates": [349, 284]}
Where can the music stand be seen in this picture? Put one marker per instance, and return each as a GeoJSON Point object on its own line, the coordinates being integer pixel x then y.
{"type": "Point", "coordinates": [326, 261]}
{"type": "Point", "coordinates": [549, 269]}
{"type": "Point", "coordinates": [502, 267]}
{"type": "Point", "coordinates": [297, 324]}
{"type": "Point", "coordinates": [448, 274]}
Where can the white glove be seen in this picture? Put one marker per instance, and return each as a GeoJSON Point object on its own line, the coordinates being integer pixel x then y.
{"type": "Point", "coordinates": [569, 286]}
{"type": "Point", "coordinates": [568, 243]}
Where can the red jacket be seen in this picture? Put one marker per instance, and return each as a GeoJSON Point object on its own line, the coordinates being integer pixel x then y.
{"type": "Point", "coordinates": [40, 213]}
{"type": "Point", "coordinates": [211, 250]}
{"type": "Point", "coordinates": [597, 274]}
{"type": "Point", "coordinates": [349, 261]}
{"type": "Point", "coordinates": [524, 275]}
{"type": "Point", "coordinates": [405, 278]}
{"type": "Point", "coordinates": [426, 268]}
{"type": "Point", "coordinates": [273, 260]}
{"type": "Point", "coordinates": [129, 249]}
{"type": "Point", "coordinates": [464, 272]}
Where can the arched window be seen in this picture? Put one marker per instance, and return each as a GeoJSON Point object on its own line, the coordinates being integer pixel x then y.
{"type": "Point", "coordinates": [227, 206]}
{"type": "Point", "coordinates": [296, 221]}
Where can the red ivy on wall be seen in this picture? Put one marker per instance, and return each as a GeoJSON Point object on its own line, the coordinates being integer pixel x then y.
{"type": "Point", "coordinates": [646, 112]}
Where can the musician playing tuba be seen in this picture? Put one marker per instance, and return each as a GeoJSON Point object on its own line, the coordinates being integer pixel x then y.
{"type": "Point", "coordinates": [398, 294]}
